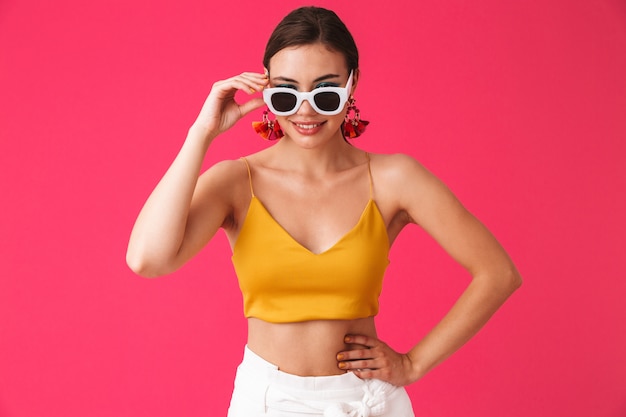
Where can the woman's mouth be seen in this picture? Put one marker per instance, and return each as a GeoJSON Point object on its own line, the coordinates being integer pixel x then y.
{"type": "Point", "coordinates": [307, 128]}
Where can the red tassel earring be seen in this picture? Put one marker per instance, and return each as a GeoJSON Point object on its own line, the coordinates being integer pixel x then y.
{"type": "Point", "coordinates": [353, 127]}
{"type": "Point", "coordinates": [268, 129]}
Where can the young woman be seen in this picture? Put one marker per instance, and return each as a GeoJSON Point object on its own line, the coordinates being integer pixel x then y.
{"type": "Point", "coordinates": [310, 221]}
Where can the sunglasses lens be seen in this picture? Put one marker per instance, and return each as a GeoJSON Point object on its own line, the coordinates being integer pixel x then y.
{"type": "Point", "coordinates": [283, 101]}
{"type": "Point", "coordinates": [327, 100]}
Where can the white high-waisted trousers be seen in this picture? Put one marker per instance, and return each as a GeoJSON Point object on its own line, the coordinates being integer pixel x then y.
{"type": "Point", "coordinates": [261, 390]}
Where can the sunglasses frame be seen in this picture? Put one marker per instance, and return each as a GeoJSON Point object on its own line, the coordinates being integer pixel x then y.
{"type": "Point", "coordinates": [342, 92]}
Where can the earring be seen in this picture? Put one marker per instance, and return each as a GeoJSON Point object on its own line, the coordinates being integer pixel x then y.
{"type": "Point", "coordinates": [353, 127]}
{"type": "Point", "coordinates": [268, 129]}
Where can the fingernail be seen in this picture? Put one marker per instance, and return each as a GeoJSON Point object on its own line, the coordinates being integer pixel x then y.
{"type": "Point", "coordinates": [252, 90]}
{"type": "Point", "coordinates": [342, 365]}
{"type": "Point", "coordinates": [347, 339]}
{"type": "Point", "coordinates": [340, 357]}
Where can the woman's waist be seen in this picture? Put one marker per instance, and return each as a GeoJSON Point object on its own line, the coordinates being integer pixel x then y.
{"type": "Point", "coordinates": [306, 348]}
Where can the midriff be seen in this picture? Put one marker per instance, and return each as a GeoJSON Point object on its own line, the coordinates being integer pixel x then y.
{"type": "Point", "coordinates": [307, 348]}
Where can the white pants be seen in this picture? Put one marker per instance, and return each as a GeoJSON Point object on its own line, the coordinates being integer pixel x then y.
{"type": "Point", "coordinates": [262, 390]}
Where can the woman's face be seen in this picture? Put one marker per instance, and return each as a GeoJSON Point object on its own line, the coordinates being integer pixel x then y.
{"type": "Point", "coordinates": [305, 68]}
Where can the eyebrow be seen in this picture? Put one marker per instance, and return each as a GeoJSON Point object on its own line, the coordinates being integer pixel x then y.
{"type": "Point", "coordinates": [322, 78]}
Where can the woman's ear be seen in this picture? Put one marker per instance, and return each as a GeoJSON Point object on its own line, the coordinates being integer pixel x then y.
{"type": "Point", "coordinates": [356, 73]}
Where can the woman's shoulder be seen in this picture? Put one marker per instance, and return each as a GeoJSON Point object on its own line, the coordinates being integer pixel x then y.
{"type": "Point", "coordinates": [397, 166]}
{"type": "Point", "coordinates": [227, 179]}
{"type": "Point", "coordinates": [391, 158]}
{"type": "Point", "coordinates": [403, 177]}
{"type": "Point", "coordinates": [226, 169]}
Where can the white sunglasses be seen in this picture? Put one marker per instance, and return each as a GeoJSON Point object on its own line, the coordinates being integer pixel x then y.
{"type": "Point", "coordinates": [284, 101]}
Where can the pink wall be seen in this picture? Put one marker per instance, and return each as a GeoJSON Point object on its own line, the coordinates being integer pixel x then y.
{"type": "Point", "coordinates": [519, 106]}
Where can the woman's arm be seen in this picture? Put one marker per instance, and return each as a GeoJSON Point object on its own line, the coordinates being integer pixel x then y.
{"type": "Point", "coordinates": [430, 204]}
{"type": "Point", "coordinates": [184, 212]}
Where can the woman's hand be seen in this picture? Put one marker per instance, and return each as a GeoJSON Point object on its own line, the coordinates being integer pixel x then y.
{"type": "Point", "coordinates": [220, 111]}
{"type": "Point", "coordinates": [376, 360]}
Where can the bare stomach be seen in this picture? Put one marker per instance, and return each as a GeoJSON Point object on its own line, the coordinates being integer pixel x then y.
{"type": "Point", "coordinates": [308, 348]}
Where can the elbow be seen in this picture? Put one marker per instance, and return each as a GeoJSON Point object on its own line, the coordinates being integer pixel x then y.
{"type": "Point", "coordinates": [142, 266]}
{"type": "Point", "coordinates": [138, 266]}
{"type": "Point", "coordinates": [518, 280]}
{"type": "Point", "coordinates": [515, 278]}
{"type": "Point", "coordinates": [511, 280]}
{"type": "Point", "coordinates": [502, 281]}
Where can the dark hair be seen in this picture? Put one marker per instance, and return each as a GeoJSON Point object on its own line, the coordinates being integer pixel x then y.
{"type": "Point", "coordinates": [309, 25]}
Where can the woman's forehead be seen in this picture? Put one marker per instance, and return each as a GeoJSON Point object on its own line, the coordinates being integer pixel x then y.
{"type": "Point", "coordinates": [308, 60]}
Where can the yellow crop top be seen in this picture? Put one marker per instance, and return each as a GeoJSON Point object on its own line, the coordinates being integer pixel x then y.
{"type": "Point", "coordinates": [282, 281]}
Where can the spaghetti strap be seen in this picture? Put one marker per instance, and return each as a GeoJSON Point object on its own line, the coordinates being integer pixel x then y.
{"type": "Point", "coordinates": [249, 175]}
{"type": "Point", "coordinates": [369, 170]}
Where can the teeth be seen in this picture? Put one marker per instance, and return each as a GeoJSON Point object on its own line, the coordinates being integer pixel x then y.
{"type": "Point", "coordinates": [307, 126]}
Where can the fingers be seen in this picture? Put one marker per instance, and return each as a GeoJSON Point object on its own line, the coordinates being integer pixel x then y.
{"type": "Point", "coordinates": [251, 105]}
{"type": "Point", "coordinates": [359, 339]}
{"type": "Point", "coordinates": [375, 359]}
{"type": "Point", "coordinates": [252, 82]}
{"type": "Point", "coordinates": [249, 82]}
{"type": "Point", "coordinates": [360, 358]}
{"type": "Point", "coordinates": [257, 82]}
{"type": "Point", "coordinates": [221, 110]}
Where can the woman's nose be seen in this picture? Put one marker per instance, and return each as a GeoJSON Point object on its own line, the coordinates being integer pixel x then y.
{"type": "Point", "coordinates": [306, 108]}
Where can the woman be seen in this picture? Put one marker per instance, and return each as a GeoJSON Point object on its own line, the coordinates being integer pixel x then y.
{"type": "Point", "coordinates": [310, 221]}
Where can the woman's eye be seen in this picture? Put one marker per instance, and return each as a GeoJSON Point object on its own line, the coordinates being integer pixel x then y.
{"type": "Point", "coordinates": [321, 85]}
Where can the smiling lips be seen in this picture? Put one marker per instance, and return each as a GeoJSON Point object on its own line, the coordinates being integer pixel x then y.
{"type": "Point", "coordinates": [307, 125]}
{"type": "Point", "coordinates": [308, 128]}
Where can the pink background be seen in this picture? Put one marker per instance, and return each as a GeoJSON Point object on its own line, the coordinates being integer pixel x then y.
{"type": "Point", "coordinates": [520, 107]}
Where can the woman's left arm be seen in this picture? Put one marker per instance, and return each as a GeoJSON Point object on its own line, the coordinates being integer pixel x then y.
{"type": "Point", "coordinates": [430, 204]}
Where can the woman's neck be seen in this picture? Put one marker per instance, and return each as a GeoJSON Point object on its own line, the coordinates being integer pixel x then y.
{"type": "Point", "coordinates": [335, 155]}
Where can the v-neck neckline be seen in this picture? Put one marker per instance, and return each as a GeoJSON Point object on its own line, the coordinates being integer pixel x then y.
{"type": "Point", "coordinates": [371, 203]}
